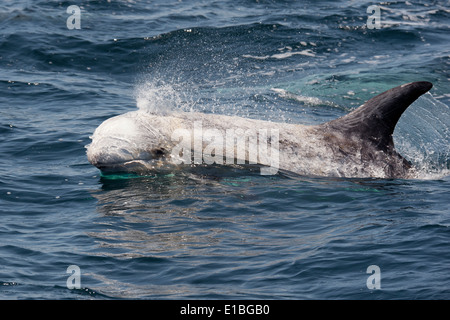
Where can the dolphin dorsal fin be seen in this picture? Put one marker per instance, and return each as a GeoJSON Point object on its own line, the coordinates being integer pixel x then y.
{"type": "Point", "coordinates": [375, 120]}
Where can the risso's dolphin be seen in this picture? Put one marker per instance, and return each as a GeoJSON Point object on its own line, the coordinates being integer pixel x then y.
{"type": "Point", "coordinates": [358, 144]}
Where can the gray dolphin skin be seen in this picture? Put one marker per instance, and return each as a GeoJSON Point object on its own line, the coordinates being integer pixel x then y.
{"type": "Point", "coordinates": [357, 145]}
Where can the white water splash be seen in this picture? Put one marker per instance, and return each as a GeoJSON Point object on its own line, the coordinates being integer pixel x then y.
{"type": "Point", "coordinates": [422, 136]}
{"type": "Point", "coordinates": [158, 99]}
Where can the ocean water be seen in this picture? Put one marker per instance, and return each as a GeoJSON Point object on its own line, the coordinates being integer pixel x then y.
{"type": "Point", "coordinates": [221, 232]}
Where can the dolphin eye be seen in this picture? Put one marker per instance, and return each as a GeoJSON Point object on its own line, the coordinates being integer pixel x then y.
{"type": "Point", "coordinates": [157, 153]}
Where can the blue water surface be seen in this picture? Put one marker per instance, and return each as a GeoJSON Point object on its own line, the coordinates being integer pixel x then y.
{"type": "Point", "coordinates": [219, 232]}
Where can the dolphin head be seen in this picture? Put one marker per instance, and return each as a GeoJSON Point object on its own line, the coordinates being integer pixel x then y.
{"type": "Point", "coordinates": [123, 143]}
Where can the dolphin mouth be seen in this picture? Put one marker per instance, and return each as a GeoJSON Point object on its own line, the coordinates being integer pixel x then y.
{"type": "Point", "coordinates": [124, 161]}
{"type": "Point", "coordinates": [127, 166]}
